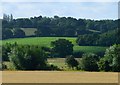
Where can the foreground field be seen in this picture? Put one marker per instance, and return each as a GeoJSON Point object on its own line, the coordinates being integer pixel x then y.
{"type": "Point", "coordinates": [58, 77]}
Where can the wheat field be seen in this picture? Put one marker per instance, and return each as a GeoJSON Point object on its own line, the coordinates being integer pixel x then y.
{"type": "Point", "coordinates": [58, 77]}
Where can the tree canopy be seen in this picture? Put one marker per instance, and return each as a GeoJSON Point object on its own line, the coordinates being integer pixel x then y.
{"type": "Point", "coordinates": [60, 26]}
{"type": "Point", "coordinates": [62, 47]}
{"type": "Point", "coordinates": [31, 58]}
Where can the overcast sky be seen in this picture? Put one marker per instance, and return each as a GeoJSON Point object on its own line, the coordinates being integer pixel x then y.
{"type": "Point", "coordinates": [88, 10]}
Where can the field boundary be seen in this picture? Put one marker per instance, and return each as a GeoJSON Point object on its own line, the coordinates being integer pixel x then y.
{"type": "Point", "coordinates": [60, 84]}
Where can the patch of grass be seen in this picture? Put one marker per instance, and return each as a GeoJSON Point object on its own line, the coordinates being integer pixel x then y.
{"type": "Point", "coordinates": [43, 41]}
{"type": "Point", "coordinates": [60, 62]}
{"type": "Point", "coordinates": [92, 49]}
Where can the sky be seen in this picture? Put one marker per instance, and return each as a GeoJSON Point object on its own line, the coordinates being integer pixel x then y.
{"type": "Point", "coordinates": [73, 8]}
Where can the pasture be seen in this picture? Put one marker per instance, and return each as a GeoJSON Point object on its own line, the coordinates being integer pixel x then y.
{"type": "Point", "coordinates": [46, 41]}
{"type": "Point", "coordinates": [42, 41]}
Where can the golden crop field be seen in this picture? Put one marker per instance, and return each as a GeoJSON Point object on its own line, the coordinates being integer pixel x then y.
{"type": "Point", "coordinates": [58, 77]}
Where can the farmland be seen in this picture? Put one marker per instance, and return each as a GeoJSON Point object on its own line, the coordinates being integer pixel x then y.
{"type": "Point", "coordinates": [43, 41]}
{"type": "Point", "coordinates": [31, 52]}
{"type": "Point", "coordinates": [60, 77]}
{"type": "Point", "coordinates": [46, 41]}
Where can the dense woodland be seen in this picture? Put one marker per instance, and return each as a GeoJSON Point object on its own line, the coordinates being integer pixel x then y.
{"type": "Point", "coordinates": [60, 26]}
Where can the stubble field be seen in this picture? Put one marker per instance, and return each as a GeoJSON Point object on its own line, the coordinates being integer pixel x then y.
{"type": "Point", "coordinates": [58, 77]}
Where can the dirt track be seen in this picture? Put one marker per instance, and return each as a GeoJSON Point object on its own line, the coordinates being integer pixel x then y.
{"type": "Point", "coordinates": [58, 77]}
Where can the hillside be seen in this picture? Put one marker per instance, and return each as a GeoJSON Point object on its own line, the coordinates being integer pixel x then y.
{"type": "Point", "coordinates": [60, 26]}
{"type": "Point", "coordinates": [46, 41]}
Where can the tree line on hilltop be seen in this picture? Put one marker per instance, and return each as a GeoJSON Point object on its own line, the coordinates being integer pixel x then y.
{"type": "Point", "coordinates": [89, 32]}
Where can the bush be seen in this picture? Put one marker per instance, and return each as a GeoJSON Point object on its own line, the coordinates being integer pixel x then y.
{"type": "Point", "coordinates": [78, 54]}
{"type": "Point", "coordinates": [4, 67]}
{"type": "Point", "coordinates": [104, 65]}
{"type": "Point", "coordinates": [89, 62]}
{"type": "Point", "coordinates": [71, 62]}
{"type": "Point", "coordinates": [6, 49]}
{"type": "Point", "coordinates": [53, 67]}
{"type": "Point", "coordinates": [112, 56]}
{"type": "Point", "coordinates": [28, 58]}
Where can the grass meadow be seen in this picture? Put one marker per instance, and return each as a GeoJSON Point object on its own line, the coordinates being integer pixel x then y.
{"type": "Point", "coordinates": [46, 41]}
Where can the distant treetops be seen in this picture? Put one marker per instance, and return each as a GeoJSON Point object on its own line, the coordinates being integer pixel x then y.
{"type": "Point", "coordinates": [89, 32]}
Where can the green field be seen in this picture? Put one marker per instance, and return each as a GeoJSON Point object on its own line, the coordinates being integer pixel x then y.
{"type": "Point", "coordinates": [43, 41]}
{"type": "Point", "coordinates": [46, 41]}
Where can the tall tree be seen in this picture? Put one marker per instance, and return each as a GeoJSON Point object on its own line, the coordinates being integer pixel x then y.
{"type": "Point", "coordinates": [62, 47]}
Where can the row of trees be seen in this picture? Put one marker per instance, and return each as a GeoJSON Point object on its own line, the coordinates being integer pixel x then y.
{"type": "Point", "coordinates": [12, 33]}
{"type": "Point", "coordinates": [26, 57]}
{"type": "Point", "coordinates": [92, 62]}
{"type": "Point", "coordinates": [105, 39]}
{"type": "Point", "coordinates": [61, 26]}
{"type": "Point", "coordinates": [89, 32]}
{"type": "Point", "coordinates": [8, 18]}
{"type": "Point", "coordinates": [59, 48]}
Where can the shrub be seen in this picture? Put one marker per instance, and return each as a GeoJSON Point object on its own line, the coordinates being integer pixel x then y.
{"type": "Point", "coordinates": [3, 66]}
{"type": "Point", "coordinates": [71, 62]}
{"type": "Point", "coordinates": [53, 67]}
{"type": "Point", "coordinates": [104, 65]}
{"type": "Point", "coordinates": [89, 62]}
{"type": "Point", "coordinates": [78, 54]}
{"type": "Point", "coordinates": [112, 56]}
{"type": "Point", "coordinates": [6, 49]}
{"type": "Point", "coordinates": [28, 58]}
